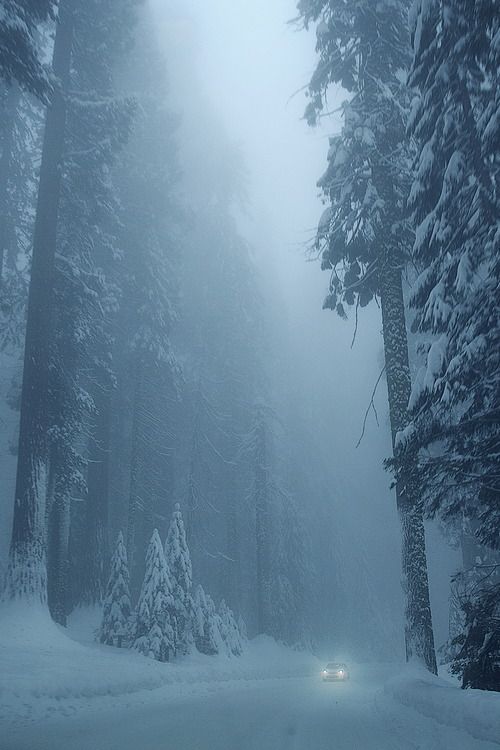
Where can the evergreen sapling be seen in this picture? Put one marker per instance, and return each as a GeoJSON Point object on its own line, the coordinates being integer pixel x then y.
{"type": "Point", "coordinates": [117, 609]}
{"type": "Point", "coordinates": [154, 634]}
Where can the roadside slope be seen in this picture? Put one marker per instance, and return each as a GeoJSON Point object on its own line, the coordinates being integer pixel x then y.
{"type": "Point", "coordinates": [42, 668]}
{"type": "Point", "coordinates": [476, 712]}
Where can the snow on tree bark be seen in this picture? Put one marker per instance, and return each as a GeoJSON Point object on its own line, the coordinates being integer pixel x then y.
{"type": "Point", "coordinates": [419, 637]}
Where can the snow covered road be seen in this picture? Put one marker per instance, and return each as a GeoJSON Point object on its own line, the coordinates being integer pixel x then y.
{"type": "Point", "coordinates": [295, 713]}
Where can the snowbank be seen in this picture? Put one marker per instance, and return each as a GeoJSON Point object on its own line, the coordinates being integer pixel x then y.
{"type": "Point", "coordinates": [476, 712]}
{"type": "Point", "coordinates": [42, 669]}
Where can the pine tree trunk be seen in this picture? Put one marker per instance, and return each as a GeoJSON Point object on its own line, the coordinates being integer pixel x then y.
{"type": "Point", "coordinates": [262, 532]}
{"type": "Point", "coordinates": [58, 558]}
{"type": "Point", "coordinates": [195, 479]}
{"type": "Point", "coordinates": [233, 551]}
{"type": "Point", "coordinates": [419, 635]}
{"type": "Point", "coordinates": [192, 499]}
{"type": "Point", "coordinates": [50, 497]}
{"type": "Point", "coordinates": [134, 499]}
{"type": "Point", "coordinates": [10, 114]}
{"type": "Point", "coordinates": [27, 573]}
{"type": "Point", "coordinates": [96, 549]}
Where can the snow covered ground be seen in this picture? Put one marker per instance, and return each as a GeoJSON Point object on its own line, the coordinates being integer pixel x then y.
{"type": "Point", "coordinates": [59, 694]}
{"type": "Point", "coordinates": [43, 671]}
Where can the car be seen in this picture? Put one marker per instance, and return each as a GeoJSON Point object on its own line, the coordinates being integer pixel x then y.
{"type": "Point", "coordinates": [335, 671]}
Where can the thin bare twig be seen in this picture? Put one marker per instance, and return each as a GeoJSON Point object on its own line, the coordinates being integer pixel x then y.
{"type": "Point", "coordinates": [356, 329]}
{"type": "Point", "coordinates": [371, 405]}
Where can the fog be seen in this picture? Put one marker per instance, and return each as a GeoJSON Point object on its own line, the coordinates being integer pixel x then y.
{"type": "Point", "coordinates": [252, 63]}
{"type": "Point", "coordinates": [235, 80]}
{"type": "Point", "coordinates": [249, 375]}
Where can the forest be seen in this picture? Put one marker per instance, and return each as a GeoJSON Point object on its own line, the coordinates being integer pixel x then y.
{"type": "Point", "coordinates": [213, 456]}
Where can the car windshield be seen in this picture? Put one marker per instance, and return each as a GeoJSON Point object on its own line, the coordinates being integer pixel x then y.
{"type": "Point", "coordinates": [335, 666]}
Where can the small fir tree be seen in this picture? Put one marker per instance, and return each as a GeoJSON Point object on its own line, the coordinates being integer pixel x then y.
{"type": "Point", "coordinates": [242, 627]}
{"type": "Point", "coordinates": [179, 564]}
{"type": "Point", "coordinates": [206, 624]}
{"type": "Point", "coordinates": [230, 631]}
{"type": "Point", "coordinates": [153, 630]}
{"type": "Point", "coordinates": [117, 609]}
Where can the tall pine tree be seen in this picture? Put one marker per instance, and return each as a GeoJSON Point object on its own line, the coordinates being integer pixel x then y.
{"type": "Point", "coordinates": [27, 573]}
{"type": "Point", "coordinates": [455, 403]}
{"type": "Point", "coordinates": [364, 239]}
{"type": "Point", "coordinates": [20, 52]}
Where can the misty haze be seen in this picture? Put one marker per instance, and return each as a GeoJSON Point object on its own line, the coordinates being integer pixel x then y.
{"type": "Point", "coordinates": [249, 375]}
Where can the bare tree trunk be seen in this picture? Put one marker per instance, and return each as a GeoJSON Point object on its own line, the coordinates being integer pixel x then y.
{"type": "Point", "coordinates": [419, 635]}
{"type": "Point", "coordinates": [27, 571]}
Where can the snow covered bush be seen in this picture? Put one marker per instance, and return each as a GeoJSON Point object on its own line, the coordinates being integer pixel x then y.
{"type": "Point", "coordinates": [206, 624]}
{"type": "Point", "coordinates": [477, 660]}
{"type": "Point", "coordinates": [168, 620]}
{"type": "Point", "coordinates": [215, 632]}
{"type": "Point", "coordinates": [154, 631]}
{"type": "Point", "coordinates": [242, 627]}
{"type": "Point", "coordinates": [229, 630]}
{"type": "Point", "coordinates": [117, 609]}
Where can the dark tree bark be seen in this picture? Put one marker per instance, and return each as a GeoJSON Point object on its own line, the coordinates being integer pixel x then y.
{"type": "Point", "coordinates": [27, 572]}
{"type": "Point", "coordinates": [419, 637]}
{"type": "Point", "coordinates": [57, 558]}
